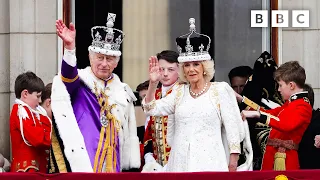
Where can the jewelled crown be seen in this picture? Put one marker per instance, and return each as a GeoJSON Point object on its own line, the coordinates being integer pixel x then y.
{"type": "Point", "coordinates": [106, 39]}
{"type": "Point", "coordinates": [193, 48]}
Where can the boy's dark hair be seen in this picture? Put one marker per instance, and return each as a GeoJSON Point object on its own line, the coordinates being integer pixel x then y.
{"type": "Point", "coordinates": [241, 71]}
{"type": "Point", "coordinates": [46, 93]}
{"type": "Point", "coordinates": [291, 72]}
{"type": "Point", "coordinates": [143, 86]}
{"type": "Point", "coordinates": [168, 55]}
{"type": "Point", "coordinates": [307, 87]}
{"type": "Point", "coordinates": [29, 81]}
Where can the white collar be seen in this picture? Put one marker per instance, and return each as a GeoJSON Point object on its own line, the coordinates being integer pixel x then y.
{"type": "Point", "coordinates": [38, 110]}
{"type": "Point", "coordinates": [165, 89]}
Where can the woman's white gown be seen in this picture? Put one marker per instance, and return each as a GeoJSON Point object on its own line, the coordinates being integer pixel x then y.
{"type": "Point", "coordinates": [195, 134]}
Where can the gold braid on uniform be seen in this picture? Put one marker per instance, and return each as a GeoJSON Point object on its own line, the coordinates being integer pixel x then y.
{"type": "Point", "coordinates": [57, 154]}
{"type": "Point", "coordinates": [108, 134]}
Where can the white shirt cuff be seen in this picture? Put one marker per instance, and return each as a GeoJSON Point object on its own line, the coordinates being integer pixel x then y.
{"type": "Point", "coordinates": [70, 57]}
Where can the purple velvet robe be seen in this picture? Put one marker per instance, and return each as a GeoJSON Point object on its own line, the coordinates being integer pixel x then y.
{"type": "Point", "coordinates": [87, 112]}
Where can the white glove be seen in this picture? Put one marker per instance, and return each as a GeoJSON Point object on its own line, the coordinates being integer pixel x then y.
{"type": "Point", "coordinates": [151, 164]}
{"type": "Point", "coordinates": [149, 158]}
{"type": "Point", "coordinates": [249, 114]}
{"type": "Point", "coordinates": [152, 167]}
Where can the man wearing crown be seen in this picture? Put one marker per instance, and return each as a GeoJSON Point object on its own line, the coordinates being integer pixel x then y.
{"type": "Point", "coordinates": [93, 109]}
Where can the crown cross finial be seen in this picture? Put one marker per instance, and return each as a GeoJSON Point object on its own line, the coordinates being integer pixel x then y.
{"type": "Point", "coordinates": [192, 22]}
{"type": "Point", "coordinates": [111, 19]}
{"type": "Point", "coordinates": [201, 47]}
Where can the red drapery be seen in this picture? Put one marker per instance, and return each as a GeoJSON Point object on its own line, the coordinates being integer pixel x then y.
{"type": "Point", "coordinates": [256, 175]}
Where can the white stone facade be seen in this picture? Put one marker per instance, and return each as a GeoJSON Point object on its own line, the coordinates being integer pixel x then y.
{"type": "Point", "coordinates": [28, 41]}
{"type": "Point", "coordinates": [303, 44]}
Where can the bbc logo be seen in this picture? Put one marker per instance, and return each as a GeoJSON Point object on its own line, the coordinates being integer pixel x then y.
{"type": "Point", "coordinates": [280, 18]}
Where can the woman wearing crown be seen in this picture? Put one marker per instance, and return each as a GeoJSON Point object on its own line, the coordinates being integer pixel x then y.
{"type": "Point", "coordinates": [207, 130]}
{"type": "Point", "coordinates": [93, 109]}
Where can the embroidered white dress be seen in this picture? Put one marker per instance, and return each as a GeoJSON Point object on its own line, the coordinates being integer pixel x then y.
{"type": "Point", "coordinates": [196, 131]}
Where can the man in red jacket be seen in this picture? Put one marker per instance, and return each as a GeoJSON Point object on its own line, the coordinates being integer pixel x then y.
{"type": "Point", "coordinates": [288, 122]}
{"type": "Point", "coordinates": [30, 127]}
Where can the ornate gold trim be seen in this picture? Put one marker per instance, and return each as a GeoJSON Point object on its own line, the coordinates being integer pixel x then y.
{"type": "Point", "coordinates": [67, 80]}
{"type": "Point", "coordinates": [149, 106]}
{"type": "Point", "coordinates": [269, 116]}
{"type": "Point", "coordinates": [57, 153]}
{"type": "Point", "coordinates": [96, 159]}
{"type": "Point", "coordinates": [108, 133]}
{"type": "Point", "coordinates": [250, 103]}
{"type": "Point", "coordinates": [52, 168]}
{"type": "Point", "coordinates": [178, 95]}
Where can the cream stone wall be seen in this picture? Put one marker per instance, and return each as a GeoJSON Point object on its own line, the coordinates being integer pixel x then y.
{"type": "Point", "coordinates": [27, 42]}
{"type": "Point", "coordinates": [4, 77]}
{"type": "Point", "coordinates": [303, 44]}
{"type": "Point", "coordinates": [146, 35]}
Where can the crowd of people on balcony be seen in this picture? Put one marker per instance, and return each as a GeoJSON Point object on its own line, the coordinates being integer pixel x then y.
{"type": "Point", "coordinates": [85, 121]}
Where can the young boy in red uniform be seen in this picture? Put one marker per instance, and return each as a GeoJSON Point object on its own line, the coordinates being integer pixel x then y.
{"type": "Point", "coordinates": [156, 147]}
{"type": "Point", "coordinates": [30, 127]}
{"type": "Point", "coordinates": [288, 122]}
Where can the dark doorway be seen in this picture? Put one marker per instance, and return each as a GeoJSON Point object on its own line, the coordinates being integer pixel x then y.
{"type": "Point", "coordinates": [94, 13]}
{"type": "Point", "coordinates": [207, 23]}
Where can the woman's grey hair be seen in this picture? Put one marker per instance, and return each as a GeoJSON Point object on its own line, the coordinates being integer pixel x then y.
{"type": "Point", "coordinates": [208, 69]}
{"type": "Point", "coordinates": [91, 54]}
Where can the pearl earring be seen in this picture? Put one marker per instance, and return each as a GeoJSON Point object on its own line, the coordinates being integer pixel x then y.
{"type": "Point", "coordinates": [204, 73]}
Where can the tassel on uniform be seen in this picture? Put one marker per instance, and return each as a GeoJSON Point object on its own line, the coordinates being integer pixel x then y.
{"type": "Point", "coordinates": [279, 161]}
{"type": "Point", "coordinates": [111, 152]}
{"type": "Point", "coordinates": [109, 167]}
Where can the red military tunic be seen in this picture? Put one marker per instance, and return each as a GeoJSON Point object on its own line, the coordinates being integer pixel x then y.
{"type": "Point", "coordinates": [288, 124]}
{"type": "Point", "coordinates": [30, 138]}
{"type": "Point", "coordinates": [155, 140]}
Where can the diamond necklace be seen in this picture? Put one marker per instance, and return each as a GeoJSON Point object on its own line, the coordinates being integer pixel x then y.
{"type": "Point", "coordinates": [201, 92]}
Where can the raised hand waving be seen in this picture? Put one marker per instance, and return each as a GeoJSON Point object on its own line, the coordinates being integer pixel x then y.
{"type": "Point", "coordinates": [68, 35]}
{"type": "Point", "coordinates": [154, 70]}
